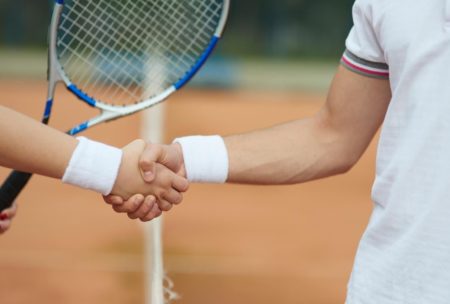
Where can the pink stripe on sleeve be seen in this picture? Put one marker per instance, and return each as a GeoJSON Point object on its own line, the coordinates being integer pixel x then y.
{"type": "Point", "coordinates": [363, 70]}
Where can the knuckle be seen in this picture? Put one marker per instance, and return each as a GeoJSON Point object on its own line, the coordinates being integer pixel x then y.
{"type": "Point", "coordinates": [166, 206]}
{"type": "Point", "coordinates": [148, 205]}
{"type": "Point", "coordinates": [151, 200]}
{"type": "Point", "coordinates": [158, 213]}
{"type": "Point", "coordinates": [185, 187]}
{"type": "Point", "coordinates": [144, 162]}
{"type": "Point", "coordinates": [162, 194]}
{"type": "Point", "coordinates": [179, 199]}
{"type": "Point", "coordinates": [117, 208]}
{"type": "Point", "coordinates": [148, 217]}
{"type": "Point", "coordinates": [131, 216]}
{"type": "Point", "coordinates": [134, 205]}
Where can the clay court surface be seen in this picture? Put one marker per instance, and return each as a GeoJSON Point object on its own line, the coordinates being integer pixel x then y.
{"type": "Point", "coordinates": [224, 244]}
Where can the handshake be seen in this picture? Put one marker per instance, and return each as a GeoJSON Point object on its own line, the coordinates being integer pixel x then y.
{"type": "Point", "coordinates": [151, 180]}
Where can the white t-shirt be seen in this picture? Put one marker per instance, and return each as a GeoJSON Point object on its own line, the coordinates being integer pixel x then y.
{"type": "Point", "coordinates": [404, 254]}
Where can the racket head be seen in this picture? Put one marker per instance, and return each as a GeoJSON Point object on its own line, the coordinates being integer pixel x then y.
{"type": "Point", "coordinates": [132, 54]}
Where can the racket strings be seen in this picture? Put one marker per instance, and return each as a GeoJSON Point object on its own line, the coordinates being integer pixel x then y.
{"type": "Point", "coordinates": [104, 58]}
{"type": "Point", "coordinates": [88, 76]}
{"type": "Point", "coordinates": [159, 38]}
{"type": "Point", "coordinates": [123, 52]}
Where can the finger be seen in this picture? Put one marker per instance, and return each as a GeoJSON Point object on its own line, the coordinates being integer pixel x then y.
{"type": "Point", "coordinates": [9, 213]}
{"type": "Point", "coordinates": [154, 213]}
{"type": "Point", "coordinates": [4, 225]}
{"type": "Point", "coordinates": [144, 209]}
{"type": "Point", "coordinates": [148, 171]}
{"type": "Point", "coordinates": [149, 157]}
{"type": "Point", "coordinates": [164, 205]}
{"type": "Point", "coordinates": [130, 205]}
{"type": "Point", "coordinates": [113, 200]}
{"type": "Point", "coordinates": [173, 197]}
{"type": "Point", "coordinates": [180, 184]}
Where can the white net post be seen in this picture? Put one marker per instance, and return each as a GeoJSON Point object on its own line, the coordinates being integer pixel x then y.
{"type": "Point", "coordinates": [152, 129]}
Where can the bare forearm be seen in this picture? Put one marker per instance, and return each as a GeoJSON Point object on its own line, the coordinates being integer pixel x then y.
{"type": "Point", "coordinates": [326, 144]}
{"type": "Point", "coordinates": [290, 153]}
{"type": "Point", "coordinates": [27, 145]}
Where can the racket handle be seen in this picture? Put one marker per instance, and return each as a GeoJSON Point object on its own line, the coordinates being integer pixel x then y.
{"type": "Point", "coordinates": [12, 187]}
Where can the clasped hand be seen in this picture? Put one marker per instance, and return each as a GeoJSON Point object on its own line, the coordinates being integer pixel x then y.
{"type": "Point", "coordinates": [154, 185]}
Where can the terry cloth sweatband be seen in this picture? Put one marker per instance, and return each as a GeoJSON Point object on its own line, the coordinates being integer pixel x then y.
{"type": "Point", "coordinates": [205, 158]}
{"type": "Point", "coordinates": [93, 166]}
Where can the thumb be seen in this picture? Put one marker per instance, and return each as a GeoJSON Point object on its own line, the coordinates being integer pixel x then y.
{"type": "Point", "coordinates": [148, 159]}
{"type": "Point", "coordinates": [148, 171]}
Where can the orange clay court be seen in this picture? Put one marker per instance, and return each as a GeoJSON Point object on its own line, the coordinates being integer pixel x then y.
{"type": "Point", "coordinates": [224, 244]}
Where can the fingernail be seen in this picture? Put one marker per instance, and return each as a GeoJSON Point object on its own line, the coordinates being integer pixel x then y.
{"type": "Point", "coordinates": [3, 216]}
{"type": "Point", "coordinates": [148, 175]}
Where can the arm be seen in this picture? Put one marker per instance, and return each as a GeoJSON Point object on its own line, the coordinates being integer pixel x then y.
{"type": "Point", "coordinates": [21, 149]}
{"type": "Point", "coordinates": [30, 146]}
{"type": "Point", "coordinates": [326, 144]}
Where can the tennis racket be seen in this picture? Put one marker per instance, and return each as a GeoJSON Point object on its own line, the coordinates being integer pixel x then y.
{"type": "Point", "coordinates": [123, 56]}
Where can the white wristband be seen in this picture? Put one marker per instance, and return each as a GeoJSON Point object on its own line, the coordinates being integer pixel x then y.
{"type": "Point", "coordinates": [93, 166]}
{"type": "Point", "coordinates": [205, 158]}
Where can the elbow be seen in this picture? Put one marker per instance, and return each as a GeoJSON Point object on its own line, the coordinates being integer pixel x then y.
{"type": "Point", "coordinates": [344, 167]}
{"type": "Point", "coordinates": [346, 162]}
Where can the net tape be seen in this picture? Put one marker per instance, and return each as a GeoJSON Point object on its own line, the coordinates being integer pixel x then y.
{"type": "Point", "coordinates": [122, 52]}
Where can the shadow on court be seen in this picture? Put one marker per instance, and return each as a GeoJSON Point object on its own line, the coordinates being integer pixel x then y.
{"type": "Point", "coordinates": [224, 244]}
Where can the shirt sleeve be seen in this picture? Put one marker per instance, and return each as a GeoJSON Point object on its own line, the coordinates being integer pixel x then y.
{"type": "Point", "coordinates": [363, 54]}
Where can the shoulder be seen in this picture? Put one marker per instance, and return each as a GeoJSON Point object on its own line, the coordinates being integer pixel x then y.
{"type": "Point", "coordinates": [377, 8]}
